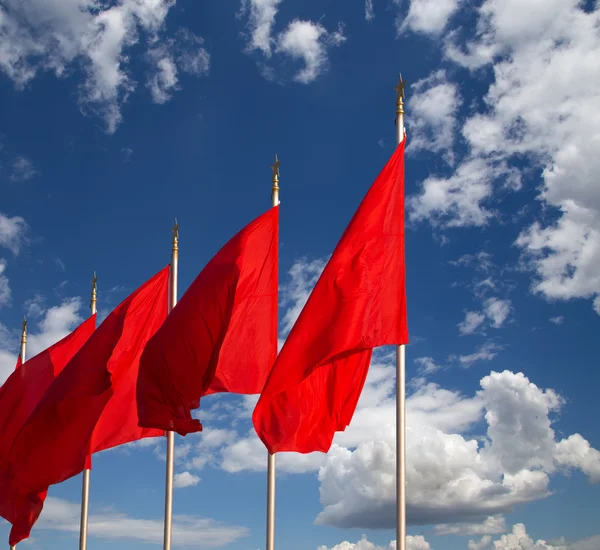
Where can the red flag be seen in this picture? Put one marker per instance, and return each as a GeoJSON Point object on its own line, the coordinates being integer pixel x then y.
{"type": "Point", "coordinates": [19, 363]}
{"type": "Point", "coordinates": [358, 303]}
{"type": "Point", "coordinates": [91, 405]}
{"type": "Point", "coordinates": [18, 398]}
{"type": "Point", "coordinates": [220, 337]}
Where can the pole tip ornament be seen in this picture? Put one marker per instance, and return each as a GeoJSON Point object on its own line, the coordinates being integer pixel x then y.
{"type": "Point", "coordinates": [275, 168]}
{"type": "Point", "coordinates": [24, 324]}
{"type": "Point", "coordinates": [24, 331]}
{"type": "Point", "coordinates": [175, 231]}
{"type": "Point", "coordinates": [400, 89]}
{"type": "Point", "coordinates": [94, 292]}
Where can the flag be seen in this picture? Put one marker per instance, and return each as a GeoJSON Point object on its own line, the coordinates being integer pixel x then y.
{"type": "Point", "coordinates": [18, 398]}
{"type": "Point", "coordinates": [19, 362]}
{"type": "Point", "coordinates": [220, 337]}
{"type": "Point", "coordinates": [91, 405]}
{"type": "Point", "coordinates": [358, 303]}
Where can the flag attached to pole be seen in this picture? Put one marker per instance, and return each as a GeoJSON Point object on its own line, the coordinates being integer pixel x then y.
{"type": "Point", "coordinates": [91, 405]}
{"type": "Point", "coordinates": [220, 337]}
{"type": "Point", "coordinates": [19, 397]}
{"type": "Point", "coordinates": [358, 303]}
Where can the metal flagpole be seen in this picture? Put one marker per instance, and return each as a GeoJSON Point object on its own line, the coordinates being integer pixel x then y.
{"type": "Point", "coordinates": [171, 435]}
{"type": "Point", "coordinates": [85, 481]}
{"type": "Point", "coordinates": [22, 352]}
{"type": "Point", "coordinates": [400, 378]}
{"type": "Point", "coordinates": [271, 460]}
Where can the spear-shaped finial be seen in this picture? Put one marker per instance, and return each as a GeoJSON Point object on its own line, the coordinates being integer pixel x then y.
{"type": "Point", "coordinates": [400, 95]}
{"type": "Point", "coordinates": [175, 235]}
{"type": "Point", "coordinates": [94, 298]}
{"type": "Point", "coordinates": [275, 188]}
{"type": "Point", "coordinates": [24, 330]}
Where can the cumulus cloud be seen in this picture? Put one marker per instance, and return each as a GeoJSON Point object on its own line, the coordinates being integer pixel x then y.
{"type": "Point", "coordinates": [60, 36]}
{"type": "Point", "coordinates": [412, 543]}
{"type": "Point", "coordinates": [472, 321]}
{"type": "Point", "coordinates": [303, 40]}
{"type": "Point", "coordinates": [452, 476]}
{"type": "Point", "coordinates": [63, 515]}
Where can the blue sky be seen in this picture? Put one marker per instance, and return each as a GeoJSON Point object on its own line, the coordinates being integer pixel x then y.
{"type": "Point", "coordinates": [119, 116]}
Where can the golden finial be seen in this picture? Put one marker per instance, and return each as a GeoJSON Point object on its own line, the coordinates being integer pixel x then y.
{"type": "Point", "coordinates": [94, 293]}
{"type": "Point", "coordinates": [400, 95]}
{"type": "Point", "coordinates": [275, 168]}
{"type": "Point", "coordinates": [175, 235]}
{"type": "Point", "coordinates": [24, 331]}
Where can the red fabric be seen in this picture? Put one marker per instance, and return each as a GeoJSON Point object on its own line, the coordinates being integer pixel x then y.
{"type": "Point", "coordinates": [18, 398]}
{"type": "Point", "coordinates": [18, 362]}
{"type": "Point", "coordinates": [91, 406]}
{"type": "Point", "coordinates": [220, 337]}
{"type": "Point", "coordinates": [358, 303]}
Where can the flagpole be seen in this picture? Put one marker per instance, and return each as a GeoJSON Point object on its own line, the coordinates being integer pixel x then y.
{"type": "Point", "coordinates": [171, 435]}
{"type": "Point", "coordinates": [22, 352]}
{"type": "Point", "coordinates": [400, 378]}
{"type": "Point", "coordinates": [271, 459]}
{"type": "Point", "coordinates": [85, 481]}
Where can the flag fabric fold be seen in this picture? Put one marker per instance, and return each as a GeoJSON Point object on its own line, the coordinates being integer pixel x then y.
{"type": "Point", "coordinates": [220, 337]}
{"type": "Point", "coordinates": [19, 397]}
{"type": "Point", "coordinates": [358, 303]}
{"type": "Point", "coordinates": [91, 405]}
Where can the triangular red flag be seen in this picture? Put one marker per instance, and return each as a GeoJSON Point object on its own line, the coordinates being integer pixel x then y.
{"type": "Point", "coordinates": [358, 303]}
{"type": "Point", "coordinates": [220, 337]}
{"type": "Point", "coordinates": [18, 398]}
{"type": "Point", "coordinates": [91, 406]}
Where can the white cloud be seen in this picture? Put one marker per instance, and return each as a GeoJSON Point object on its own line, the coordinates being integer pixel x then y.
{"type": "Point", "coordinates": [260, 23]}
{"type": "Point", "coordinates": [303, 40]}
{"type": "Point", "coordinates": [497, 311]}
{"type": "Point", "coordinates": [432, 120]}
{"type": "Point", "coordinates": [412, 543]}
{"type": "Point", "coordinates": [472, 321]}
{"type": "Point", "coordinates": [22, 169]}
{"type": "Point", "coordinates": [308, 41]}
{"type": "Point", "coordinates": [484, 542]}
{"type": "Point", "coordinates": [426, 365]}
{"type": "Point", "coordinates": [59, 36]}
{"type": "Point", "coordinates": [550, 51]}
{"type": "Point", "coordinates": [13, 232]}
{"type": "Point", "coordinates": [185, 479]}
{"type": "Point", "coordinates": [185, 53]}
{"type": "Point", "coordinates": [520, 540]}
{"type": "Point", "coordinates": [5, 292]}
{"type": "Point", "coordinates": [485, 352]}
{"type": "Point", "coordinates": [558, 320]}
{"type": "Point", "coordinates": [575, 452]}
{"type": "Point", "coordinates": [491, 526]}
{"type": "Point", "coordinates": [427, 16]}
{"type": "Point", "coordinates": [452, 477]}
{"type": "Point", "coordinates": [63, 515]}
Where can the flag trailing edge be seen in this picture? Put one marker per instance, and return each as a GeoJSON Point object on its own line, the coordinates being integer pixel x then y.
{"type": "Point", "coordinates": [220, 337]}
{"type": "Point", "coordinates": [358, 303]}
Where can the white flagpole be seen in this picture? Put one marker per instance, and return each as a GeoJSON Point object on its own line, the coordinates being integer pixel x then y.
{"type": "Point", "coordinates": [22, 352]}
{"type": "Point", "coordinates": [85, 481]}
{"type": "Point", "coordinates": [400, 379]}
{"type": "Point", "coordinates": [271, 460]}
{"type": "Point", "coordinates": [171, 435]}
